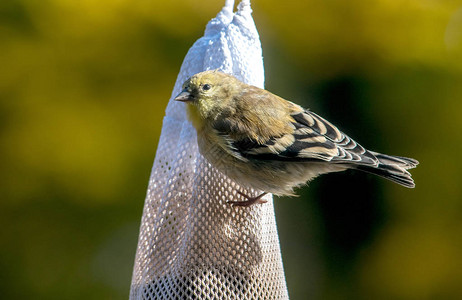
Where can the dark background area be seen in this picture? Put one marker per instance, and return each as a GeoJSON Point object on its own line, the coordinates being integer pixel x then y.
{"type": "Point", "coordinates": [83, 89]}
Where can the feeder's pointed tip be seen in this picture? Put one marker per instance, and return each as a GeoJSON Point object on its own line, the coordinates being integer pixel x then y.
{"type": "Point", "coordinates": [229, 5]}
{"type": "Point", "coordinates": [244, 7]}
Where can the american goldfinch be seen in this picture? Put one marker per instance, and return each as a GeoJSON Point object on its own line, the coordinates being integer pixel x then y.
{"type": "Point", "coordinates": [265, 142]}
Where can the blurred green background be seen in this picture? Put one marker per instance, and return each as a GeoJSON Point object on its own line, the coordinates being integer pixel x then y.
{"type": "Point", "coordinates": [83, 88]}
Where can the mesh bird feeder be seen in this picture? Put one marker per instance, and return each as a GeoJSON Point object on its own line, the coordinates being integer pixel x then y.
{"type": "Point", "coordinates": [192, 243]}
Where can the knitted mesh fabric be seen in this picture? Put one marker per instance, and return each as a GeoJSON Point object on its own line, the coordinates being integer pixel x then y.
{"type": "Point", "coordinates": [192, 244]}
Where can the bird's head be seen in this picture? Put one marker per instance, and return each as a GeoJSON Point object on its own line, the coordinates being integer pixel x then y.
{"type": "Point", "coordinates": [211, 93]}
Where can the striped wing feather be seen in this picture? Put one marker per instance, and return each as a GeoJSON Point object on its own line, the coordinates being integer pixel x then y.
{"type": "Point", "coordinates": [315, 139]}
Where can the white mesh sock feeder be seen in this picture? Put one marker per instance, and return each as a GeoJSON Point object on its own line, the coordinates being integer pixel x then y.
{"type": "Point", "coordinates": [192, 244]}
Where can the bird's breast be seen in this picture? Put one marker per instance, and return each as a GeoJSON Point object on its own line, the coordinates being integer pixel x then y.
{"type": "Point", "coordinates": [195, 117]}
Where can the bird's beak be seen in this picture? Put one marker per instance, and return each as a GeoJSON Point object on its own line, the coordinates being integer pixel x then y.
{"type": "Point", "coordinates": [184, 96]}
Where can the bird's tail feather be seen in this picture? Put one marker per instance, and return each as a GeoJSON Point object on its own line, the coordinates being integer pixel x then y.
{"type": "Point", "coordinates": [393, 168]}
{"type": "Point", "coordinates": [403, 162]}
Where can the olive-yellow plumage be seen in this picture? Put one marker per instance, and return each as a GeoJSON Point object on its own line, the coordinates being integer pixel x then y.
{"type": "Point", "coordinates": [265, 142]}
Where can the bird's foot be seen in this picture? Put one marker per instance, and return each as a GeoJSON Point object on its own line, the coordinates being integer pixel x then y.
{"type": "Point", "coordinates": [250, 200]}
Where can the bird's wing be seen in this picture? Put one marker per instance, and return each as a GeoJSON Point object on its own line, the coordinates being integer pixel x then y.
{"type": "Point", "coordinates": [312, 139]}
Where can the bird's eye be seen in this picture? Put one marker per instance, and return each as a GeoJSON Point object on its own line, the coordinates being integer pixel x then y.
{"type": "Point", "coordinates": [206, 87]}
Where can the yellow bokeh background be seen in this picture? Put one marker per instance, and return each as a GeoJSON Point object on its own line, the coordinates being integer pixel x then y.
{"type": "Point", "coordinates": [83, 89]}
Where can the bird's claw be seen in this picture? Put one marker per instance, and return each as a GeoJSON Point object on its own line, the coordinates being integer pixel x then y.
{"type": "Point", "coordinates": [250, 200]}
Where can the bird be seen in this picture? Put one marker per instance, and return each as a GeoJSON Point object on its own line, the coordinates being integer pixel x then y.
{"type": "Point", "coordinates": [264, 142]}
